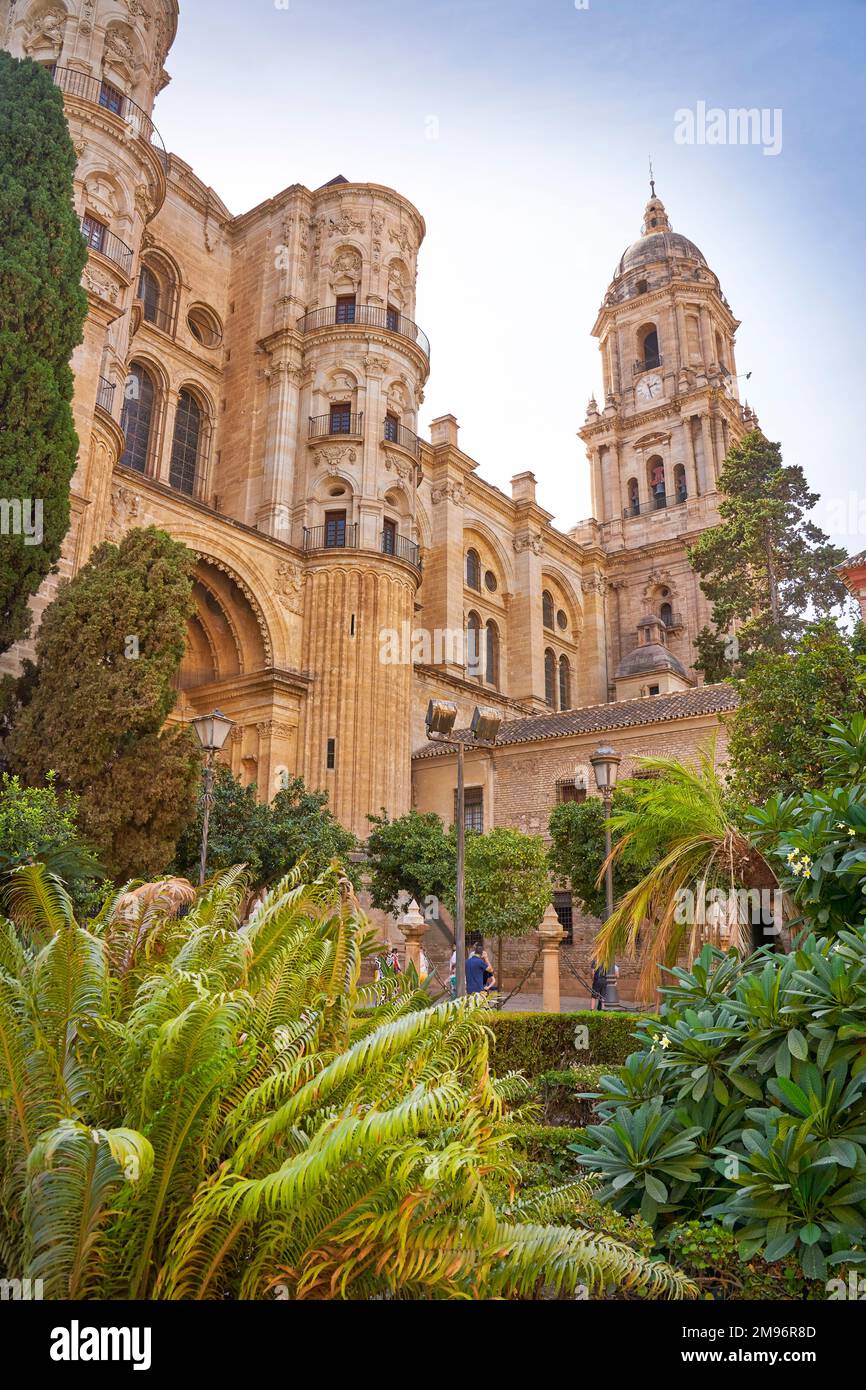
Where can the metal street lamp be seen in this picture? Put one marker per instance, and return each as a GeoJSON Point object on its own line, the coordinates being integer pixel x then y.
{"type": "Point", "coordinates": [212, 730]}
{"type": "Point", "coordinates": [440, 719]}
{"type": "Point", "coordinates": [605, 765]}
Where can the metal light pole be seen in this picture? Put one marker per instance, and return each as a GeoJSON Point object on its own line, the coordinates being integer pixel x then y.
{"type": "Point", "coordinates": [440, 719]}
{"type": "Point", "coordinates": [605, 765]}
{"type": "Point", "coordinates": [212, 730]}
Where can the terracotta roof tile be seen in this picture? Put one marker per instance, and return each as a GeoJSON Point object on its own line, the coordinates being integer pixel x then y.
{"type": "Point", "coordinates": [618, 714]}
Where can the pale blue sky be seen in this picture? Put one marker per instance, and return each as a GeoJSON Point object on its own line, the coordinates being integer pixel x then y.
{"type": "Point", "coordinates": [546, 115]}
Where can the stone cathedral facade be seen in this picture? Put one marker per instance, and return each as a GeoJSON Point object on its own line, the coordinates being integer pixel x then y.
{"type": "Point", "coordinates": [252, 384]}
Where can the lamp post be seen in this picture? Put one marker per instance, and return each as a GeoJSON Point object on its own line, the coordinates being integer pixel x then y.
{"type": "Point", "coordinates": [212, 730]}
{"type": "Point", "coordinates": [605, 765]}
{"type": "Point", "coordinates": [440, 719]}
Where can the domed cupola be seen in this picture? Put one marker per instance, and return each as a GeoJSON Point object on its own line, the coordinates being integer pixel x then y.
{"type": "Point", "coordinates": [650, 668]}
{"type": "Point", "coordinates": [658, 242]}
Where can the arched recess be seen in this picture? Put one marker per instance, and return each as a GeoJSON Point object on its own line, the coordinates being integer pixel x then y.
{"type": "Point", "coordinates": [227, 635]}
{"type": "Point", "coordinates": [161, 271]}
{"type": "Point", "coordinates": [474, 531]}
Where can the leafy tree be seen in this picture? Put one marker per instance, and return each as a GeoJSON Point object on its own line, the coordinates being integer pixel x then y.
{"type": "Point", "coordinates": [766, 565]}
{"type": "Point", "coordinates": [412, 855]}
{"type": "Point", "coordinates": [39, 826]}
{"type": "Point", "coordinates": [42, 313]}
{"type": "Point", "coordinates": [577, 850]}
{"type": "Point", "coordinates": [681, 828]}
{"type": "Point", "coordinates": [192, 1112]}
{"type": "Point", "coordinates": [777, 742]}
{"type": "Point", "coordinates": [269, 839]}
{"type": "Point", "coordinates": [507, 883]}
{"type": "Point", "coordinates": [108, 652]}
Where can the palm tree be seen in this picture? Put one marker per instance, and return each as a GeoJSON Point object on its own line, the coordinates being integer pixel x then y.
{"type": "Point", "coordinates": [681, 827]}
{"type": "Point", "coordinates": [196, 1109]}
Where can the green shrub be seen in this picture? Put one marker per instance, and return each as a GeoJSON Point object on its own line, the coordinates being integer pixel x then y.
{"type": "Point", "coordinates": [544, 1153]}
{"type": "Point", "coordinates": [746, 1101]}
{"type": "Point", "coordinates": [710, 1256]}
{"type": "Point", "coordinates": [537, 1042]}
{"type": "Point", "coordinates": [561, 1094]}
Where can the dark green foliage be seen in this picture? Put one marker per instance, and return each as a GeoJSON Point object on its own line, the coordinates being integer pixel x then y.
{"type": "Point", "coordinates": [42, 312]}
{"type": "Point", "coordinates": [536, 1042]}
{"type": "Point", "coordinates": [765, 565]}
{"type": "Point", "coordinates": [777, 740]}
{"type": "Point", "coordinates": [410, 857]}
{"type": "Point", "coordinates": [577, 850]}
{"type": "Point", "coordinates": [746, 1102]}
{"type": "Point", "coordinates": [38, 826]}
{"type": "Point", "coordinates": [710, 1255]}
{"type": "Point", "coordinates": [108, 653]}
{"type": "Point", "coordinates": [562, 1095]}
{"type": "Point", "coordinates": [545, 1153]}
{"type": "Point", "coordinates": [816, 840]}
{"type": "Point", "coordinates": [507, 883]}
{"type": "Point", "coordinates": [269, 839]}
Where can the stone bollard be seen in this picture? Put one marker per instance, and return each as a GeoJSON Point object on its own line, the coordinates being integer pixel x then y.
{"type": "Point", "coordinates": [550, 934]}
{"type": "Point", "coordinates": [413, 927]}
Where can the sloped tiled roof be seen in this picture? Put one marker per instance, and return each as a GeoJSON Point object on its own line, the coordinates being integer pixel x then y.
{"type": "Point", "coordinates": [853, 561]}
{"type": "Point", "coordinates": [618, 714]}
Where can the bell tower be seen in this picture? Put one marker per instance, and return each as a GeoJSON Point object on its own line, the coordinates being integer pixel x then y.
{"type": "Point", "coordinates": [106, 57]}
{"type": "Point", "coordinates": [670, 413]}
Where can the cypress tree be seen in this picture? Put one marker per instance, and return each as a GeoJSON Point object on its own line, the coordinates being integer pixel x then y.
{"type": "Point", "coordinates": [108, 653]}
{"type": "Point", "coordinates": [42, 313]}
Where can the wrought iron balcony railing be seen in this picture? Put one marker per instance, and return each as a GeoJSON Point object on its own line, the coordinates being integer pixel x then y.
{"type": "Point", "coordinates": [648, 363]}
{"type": "Point", "coordinates": [342, 536]}
{"type": "Point", "coordinates": [100, 239]}
{"type": "Point", "coordinates": [658, 504]}
{"type": "Point", "coordinates": [340, 423]}
{"type": "Point", "coordinates": [94, 89]}
{"type": "Point", "coordinates": [346, 536]}
{"type": "Point", "coordinates": [364, 316]}
{"type": "Point", "coordinates": [402, 547]}
{"type": "Point", "coordinates": [105, 394]}
{"type": "Point", "coordinates": [399, 434]}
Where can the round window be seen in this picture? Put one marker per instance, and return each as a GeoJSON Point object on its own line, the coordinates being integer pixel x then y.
{"type": "Point", "coordinates": [562, 619]}
{"type": "Point", "coordinates": [490, 581]}
{"type": "Point", "coordinates": [204, 326]}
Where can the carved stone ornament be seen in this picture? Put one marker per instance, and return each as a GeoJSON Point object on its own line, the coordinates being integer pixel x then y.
{"type": "Point", "coordinates": [289, 586]}
{"type": "Point", "coordinates": [274, 728]}
{"type": "Point", "coordinates": [593, 584]}
{"type": "Point", "coordinates": [402, 467]}
{"type": "Point", "coordinates": [335, 455]}
{"type": "Point", "coordinates": [125, 510]}
{"type": "Point", "coordinates": [400, 237]}
{"type": "Point", "coordinates": [533, 543]}
{"type": "Point", "coordinates": [100, 284]}
{"type": "Point", "coordinates": [659, 579]}
{"type": "Point", "coordinates": [345, 226]}
{"type": "Point", "coordinates": [450, 492]}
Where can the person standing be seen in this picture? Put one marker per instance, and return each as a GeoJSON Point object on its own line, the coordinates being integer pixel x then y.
{"type": "Point", "coordinates": [476, 970]}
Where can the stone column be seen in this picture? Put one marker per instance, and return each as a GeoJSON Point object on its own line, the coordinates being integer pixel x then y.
{"type": "Point", "coordinates": [413, 927]}
{"type": "Point", "coordinates": [550, 935]}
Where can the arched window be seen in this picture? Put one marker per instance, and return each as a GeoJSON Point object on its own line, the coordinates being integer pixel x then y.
{"type": "Point", "coordinates": [491, 674]}
{"type": "Point", "coordinates": [136, 418]}
{"type": "Point", "coordinates": [666, 613]}
{"type": "Point", "coordinates": [547, 608]}
{"type": "Point", "coordinates": [550, 678]}
{"type": "Point", "coordinates": [655, 471]}
{"type": "Point", "coordinates": [150, 294]}
{"type": "Point", "coordinates": [473, 569]}
{"type": "Point", "coordinates": [186, 445]}
{"type": "Point", "coordinates": [564, 683]}
{"type": "Point", "coordinates": [633, 496]}
{"type": "Point", "coordinates": [473, 647]}
{"type": "Point", "coordinates": [680, 488]}
{"type": "Point", "coordinates": [648, 347]}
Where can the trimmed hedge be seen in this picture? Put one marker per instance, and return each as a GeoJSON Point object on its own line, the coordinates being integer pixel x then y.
{"type": "Point", "coordinates": [560, 1092]}
{"type": "Point", "coordinates": [536, 1042]}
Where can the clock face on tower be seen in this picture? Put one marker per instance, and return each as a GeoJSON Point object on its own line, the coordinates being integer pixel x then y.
{"type": "Point", "coordinates": [649, 388]}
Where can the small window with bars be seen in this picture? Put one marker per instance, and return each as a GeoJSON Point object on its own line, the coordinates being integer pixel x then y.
{"type": "Point", "coordinates": [564, 908]}
{"type": "Point", "coordinates": [111, 98]}
{"type": "Point", "coordinates": [473, 809]}
{"type": "Point", "coordinates": [570, 789]}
